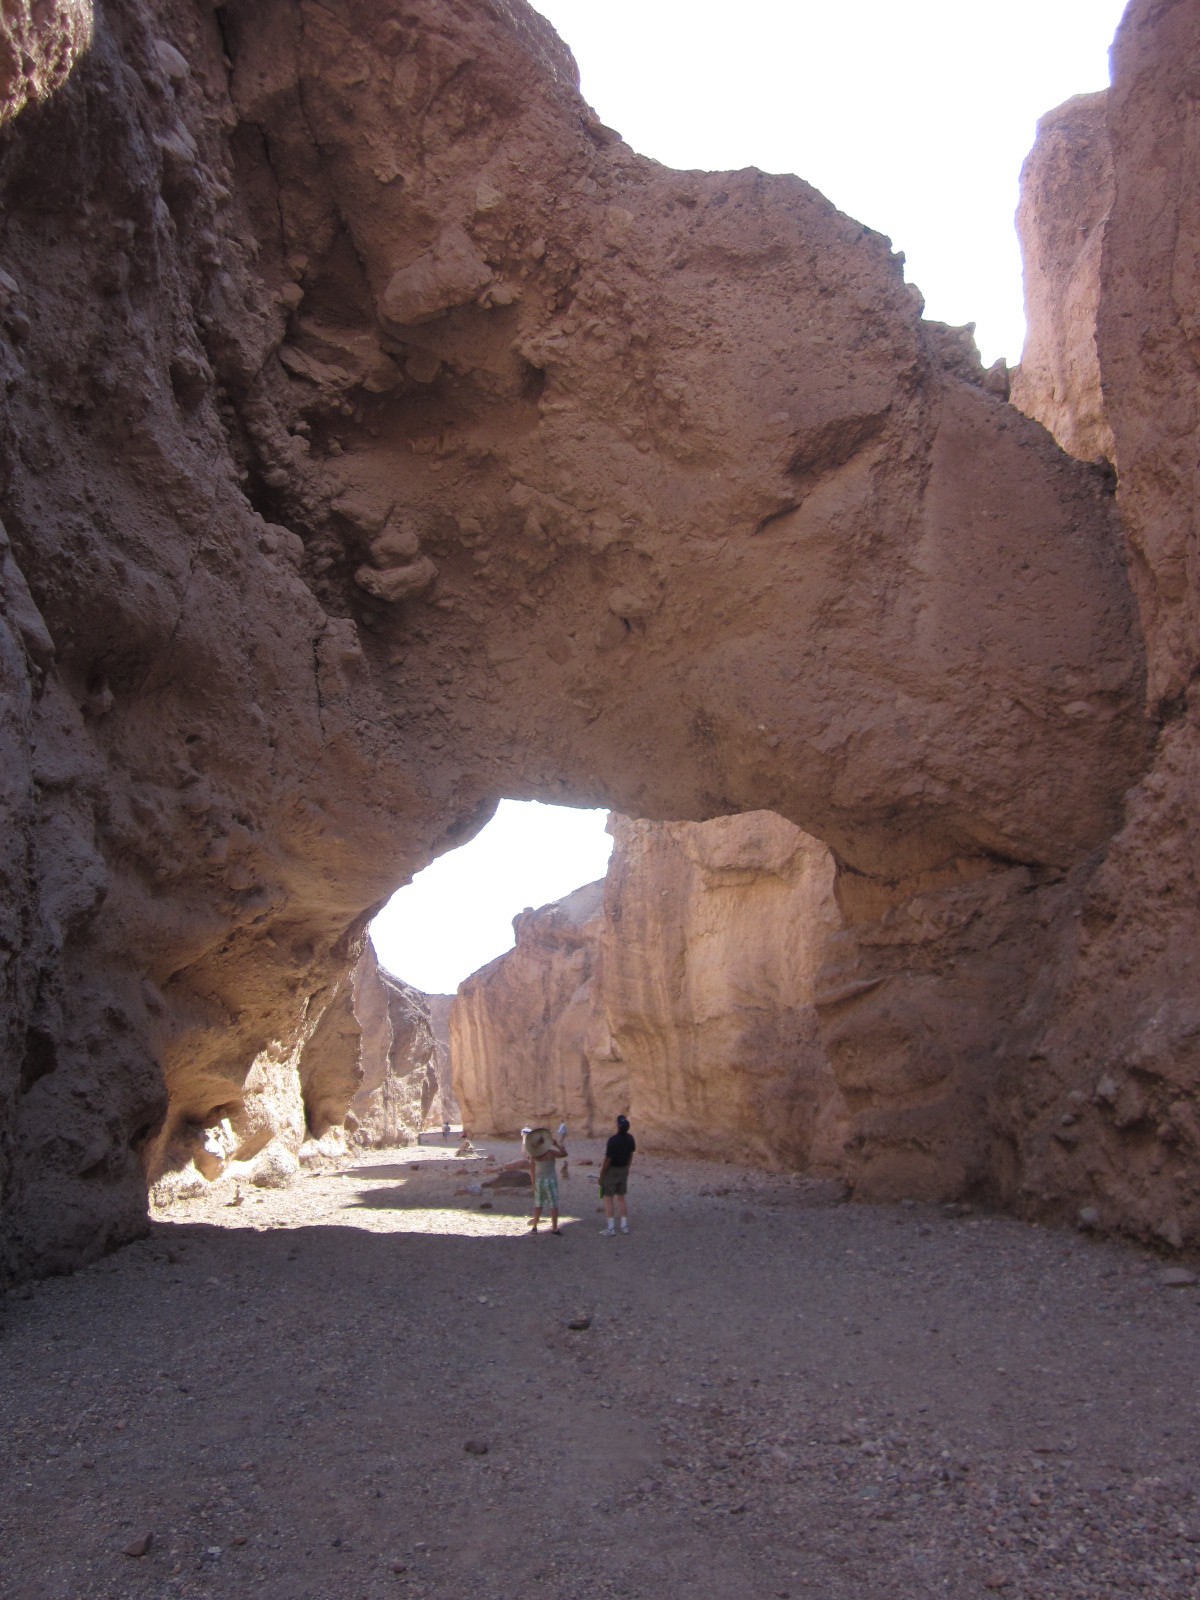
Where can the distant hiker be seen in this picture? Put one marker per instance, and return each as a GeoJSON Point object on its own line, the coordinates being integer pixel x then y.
{"type": "Point", "coordinates": [445, 1133]}
{"type": "Point", "coordinates": [562, 1139]}
{"type": "Point", "coordinates": [543, 1153]}
{"type": "Point", "coordinates": [614, 1175]}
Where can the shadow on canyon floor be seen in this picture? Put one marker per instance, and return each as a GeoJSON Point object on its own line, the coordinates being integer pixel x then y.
{"type": "Point", "coordinates": [306, 1395]}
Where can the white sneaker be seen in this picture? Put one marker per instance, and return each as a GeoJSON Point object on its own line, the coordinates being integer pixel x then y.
{"type": "Point", "coordinates": [609, 1233]}
{"type": "Point", "coordinates": [624, 1227]}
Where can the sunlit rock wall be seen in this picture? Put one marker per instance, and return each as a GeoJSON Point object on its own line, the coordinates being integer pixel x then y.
{"type": "Point", "coordinates": [713, 938]}
{"type": "Point", "coordinates": [1066, 195]}
{"type": "Point", "coordinates": [522, 1029]}
{"type": "Point", "coordinates": [679, 991]}
{"type": "Point", "coordinates": [397, 1093]}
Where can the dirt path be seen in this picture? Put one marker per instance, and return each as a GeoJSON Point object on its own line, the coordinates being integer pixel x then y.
{"type": "Point", "coordinates": [777, 1395]}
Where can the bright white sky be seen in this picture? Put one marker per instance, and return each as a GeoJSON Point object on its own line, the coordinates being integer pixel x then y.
{"type": "Point", "coordinates": [457, 915]}
{"type": "Point", "coordinates": [913, 116]}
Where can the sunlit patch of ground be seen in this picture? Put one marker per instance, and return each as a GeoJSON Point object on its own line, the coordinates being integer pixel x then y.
{"type": "Point", "coordinates": [421, 1188]}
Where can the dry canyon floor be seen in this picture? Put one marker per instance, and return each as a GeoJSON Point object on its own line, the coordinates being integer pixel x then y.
{"type": "Point", "coordinates": [367, 1386]}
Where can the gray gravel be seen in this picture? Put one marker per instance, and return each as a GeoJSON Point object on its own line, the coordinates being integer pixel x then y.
{"type": "Point", "coordinates": [366, 1386]}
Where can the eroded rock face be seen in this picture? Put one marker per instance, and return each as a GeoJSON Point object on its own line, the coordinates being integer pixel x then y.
{"type": "Point", "coordinates": [398, 1089]}
{"type": "Point", "coordinates": [1066, 197]}
{"type": "Point", "coordinates": [447, 1108]}
{"type": "Point", "coordinates": [713, 941]}
{"type": "Point", "coordinates": [740, 999]}
{"type": "Point", "coordinates": [680, 991]}
{"type": "Point", "coordinates": [523, 1029]}
{"type": "Point", "coordinates": [382, 436]}
{"type": "Point", "coordinates": [41, 41]}
{"type": "Point", "coordinates": [1105, 1115]}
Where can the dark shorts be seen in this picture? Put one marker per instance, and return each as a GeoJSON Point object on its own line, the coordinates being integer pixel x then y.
{"type": "Point", "coordinates": [614, 1181]}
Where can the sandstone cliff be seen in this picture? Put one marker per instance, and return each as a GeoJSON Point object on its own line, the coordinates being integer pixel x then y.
{"type": "Point", "coordinates": [680, 990]}
{"type": "Point", "coordinates": [382, 436]}
{"type": "Point", "coordinates": [1106, 1114]}
{"type": "Point", "coordinates": [522, 1028]}
{"type": "Point", "coordinates": [1066, 196]}
{"type": "Point", "coordinates": [397, 1090]}
{"type": "Point", "coordinates": [446, 1107]}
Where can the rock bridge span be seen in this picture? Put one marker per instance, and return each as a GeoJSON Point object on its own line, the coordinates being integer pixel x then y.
{"type": "Point", "coordinates": [382, 436]}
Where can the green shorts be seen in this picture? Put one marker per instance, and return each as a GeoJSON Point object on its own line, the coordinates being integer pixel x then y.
{"type": "Point", "coordinates": [614, 1181]}
{"type": "Point", "coordinates": [545, 1193]}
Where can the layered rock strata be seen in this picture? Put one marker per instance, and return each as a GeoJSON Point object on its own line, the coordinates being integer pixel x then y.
{"type": "Point", "coordinates": [713, 940]}
{"type": "Point", "coordinates": [398, 1091]}
{"type": "Point", "coordinates": [382, 436]}
{"type": "Point", "coordinates": [524, 1028]}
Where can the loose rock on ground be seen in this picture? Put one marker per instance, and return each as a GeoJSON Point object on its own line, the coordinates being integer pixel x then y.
{"type": "Point", "coordinates": [778, 1394]}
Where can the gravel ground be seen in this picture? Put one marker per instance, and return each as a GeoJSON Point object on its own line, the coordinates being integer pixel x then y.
{"type": "Point", "coordinates": [367, 1386]}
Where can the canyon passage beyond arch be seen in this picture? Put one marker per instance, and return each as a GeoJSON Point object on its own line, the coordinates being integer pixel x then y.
{"type": "Point", "coordinates": [382, 436]}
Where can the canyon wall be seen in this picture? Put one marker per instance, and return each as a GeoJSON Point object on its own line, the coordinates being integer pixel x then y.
{"type": "Point", "coordinates": [724, 989]}
{"type": "Point", "coordinates": [447, 1108]}
{"type": "Point", "coordinates": [1107, 1116]}
{"type": "Point", "coordinates": [680, 990]}
{"type": "Point", "coordinates": [398, 1090]}
{"type": "Point", "coordinates": [369, 1073]}
{"type": "Point", "coordinates": [713, 938]}
{"type": "Point", "coordinates": [1066, 197]}
{"type": "Point", "coordinates": [380, 436]}
{"type": "Point", "coordinates": [522, 1028]}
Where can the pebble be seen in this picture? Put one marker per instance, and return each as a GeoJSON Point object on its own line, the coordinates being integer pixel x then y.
{"type": "Point", "coordinates": [476, 1447]}
{"type": "Point", "coordinates": [1178, 1278]}
{"type": "Point", "coordinates": [139, 1546]}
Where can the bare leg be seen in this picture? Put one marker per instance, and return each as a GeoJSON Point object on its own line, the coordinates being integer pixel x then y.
{"type": "Point", "coordinates": [554, 1220]}
{"type": "Point", "coordinates": [536, 1218]}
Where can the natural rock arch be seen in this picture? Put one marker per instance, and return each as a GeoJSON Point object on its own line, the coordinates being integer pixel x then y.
{"type": "Point", "coordinates": [384, 437]}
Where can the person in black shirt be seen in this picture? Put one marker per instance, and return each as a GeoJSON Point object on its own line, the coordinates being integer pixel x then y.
{"type": "Point", "coordinates": [614, 1175]}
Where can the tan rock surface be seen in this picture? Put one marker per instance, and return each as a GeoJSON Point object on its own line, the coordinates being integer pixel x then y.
{"type": "Point", "coordinates": [680, 991]}
{"type": "Point", "coordinates": [738, 998]}
{"type": "Point", "coordinates": [398, 1079]}
{"type": "Point", "coordinates": [1066, 196]}
{"type": "Point", "coordinates": [523, 1028]}
{"type": "Point", "coordinates": [714, 935]}
{"type": "Point", "coordinates": [40, 42]}
{"type": "Point", "coordinates": [446, 1107]}
{"type": "Point", "coordinates": [384, 437]}
{"type": "Point", "coordinates": [1147, 330]}
{"type": "Point", "coordinates": [1106, 1113]}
